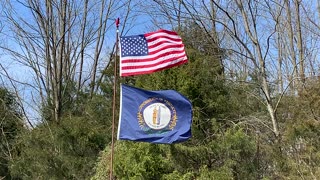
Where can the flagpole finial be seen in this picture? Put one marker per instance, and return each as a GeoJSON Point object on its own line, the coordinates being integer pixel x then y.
{"type": "Point", "coordinates": [117, 22]}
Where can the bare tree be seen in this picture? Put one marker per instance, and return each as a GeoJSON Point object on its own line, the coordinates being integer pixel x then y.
{"type": "Point", "coordinates": [83, 29]}
{"type": "Point", "coordinates": [55, 40]}
{"type": "Point", "coordinates": [100, 39]}
{"type": "Point", "coordinates": [249, 18]}
{"type": "Point", "coordinates": [299, 41]}
{"type": "Point", "coordinates": [291, 43]}
{"type": "Point", "coordinates": [254, 33]}
{"type": "Point", "coordinates": [247, 42]}
{"type": "Point", "coordinates": [309, 32]}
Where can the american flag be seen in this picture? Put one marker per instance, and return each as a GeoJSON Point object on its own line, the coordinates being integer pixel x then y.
{"type": "Point", "coordinates": [151, 52]}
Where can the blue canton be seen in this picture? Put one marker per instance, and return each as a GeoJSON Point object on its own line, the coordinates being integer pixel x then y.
{"type": "Point", "coordinates": [133, 46]}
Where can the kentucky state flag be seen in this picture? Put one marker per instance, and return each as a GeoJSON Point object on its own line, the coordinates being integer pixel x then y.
{"type": "Point", "coordinates": [154, 116]}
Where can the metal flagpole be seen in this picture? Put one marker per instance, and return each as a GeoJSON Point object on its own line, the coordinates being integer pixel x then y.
{"type": "Point", "coordinates": [114, 99]}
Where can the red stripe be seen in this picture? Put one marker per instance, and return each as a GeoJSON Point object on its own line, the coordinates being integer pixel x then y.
{"type": "Point", "coordinates": [154, 58]}
{"type": "Point", "coordinates": [151, 71]}
{"type": "Point", "coordinates": [161, 31]}
{"type": "Point", "coordinates": [152, 65]}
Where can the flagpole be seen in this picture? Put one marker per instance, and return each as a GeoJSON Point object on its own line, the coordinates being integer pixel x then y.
{"type": "Point", "coordinates": [114, 99]}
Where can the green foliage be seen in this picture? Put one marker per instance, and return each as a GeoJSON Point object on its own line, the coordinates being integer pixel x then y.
{"type": "Point", "coordinates": [309, 100]}
{"type": "Point", "coordinates": [10, 125]}
{"type": "Point", "coordinates": [72, 102]}
{"type": "Point", "coordinates": [177, 175]}
{"type": "Point", "coordinates": [136, 161]}
{"type": "Point", "coordinates": [227, 155]}
{"type": "Point", "coordinates": [297, 157]}
{"type": "Point", "coordinates": [302, 147]}
{"type": "Point", "coordinates": [67, 150]}
{"type": "Point", "coordinates": [142, 160]}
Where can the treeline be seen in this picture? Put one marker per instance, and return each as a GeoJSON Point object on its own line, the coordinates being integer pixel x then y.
{"type": "Point", "coordinates": [251, 77]}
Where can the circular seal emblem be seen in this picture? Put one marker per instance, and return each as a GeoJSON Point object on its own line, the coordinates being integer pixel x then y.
{"type": "Point", "coordinates": [157, 115]}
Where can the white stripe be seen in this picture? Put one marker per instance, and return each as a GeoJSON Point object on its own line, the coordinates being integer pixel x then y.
{"type": "Point", "coordinates": [120, 112]}
{"type": "Point", "coordinates": [124, 71]}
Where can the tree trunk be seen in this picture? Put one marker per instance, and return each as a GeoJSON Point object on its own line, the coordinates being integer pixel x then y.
{"type": "Point", "coordinates": [102, 24]}
{"type": "Point", "coordinates": [299, 44]}
{"type": "Point", "coordinates": [83, 29]}
{"type": "Point", "coordinates": [280, 59]}
{"type": "Point", "coordinates": [291, 46]}
{"type": "Point", "coordinates": [262, 66]}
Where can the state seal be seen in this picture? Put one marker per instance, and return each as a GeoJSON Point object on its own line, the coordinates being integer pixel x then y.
{"type": "Point", "coordinates": [157, 115]}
